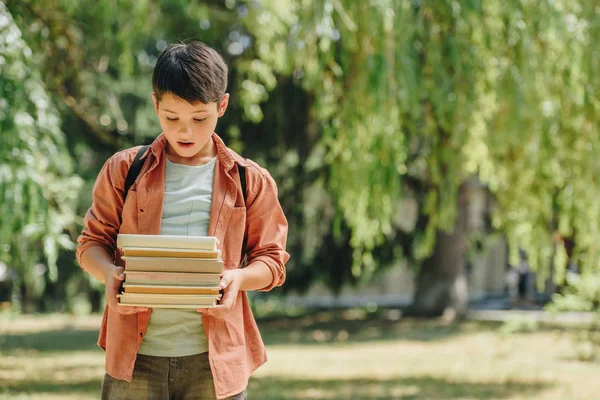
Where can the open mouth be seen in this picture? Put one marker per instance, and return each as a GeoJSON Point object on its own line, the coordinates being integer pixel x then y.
{"type": "Point", "coordinates": [185, 144]}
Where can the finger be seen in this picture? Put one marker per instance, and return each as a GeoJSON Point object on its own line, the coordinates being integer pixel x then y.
{"type": "Point", "coordinates": [224, 297]}
{"type": "Point", "coordinates": [119, 274]}
{"type": "Point", "coordinates": [223, 304]}
{"type": "Point", "coordinates": [224, 282]}
{"type": "Point", "coordinates": [229, 298]}
{"type": "Point", "coordinates": [227, 302]}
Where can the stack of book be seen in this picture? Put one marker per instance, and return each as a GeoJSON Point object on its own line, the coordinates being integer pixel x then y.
{"type": "Point", "coordinates": [164, 271]}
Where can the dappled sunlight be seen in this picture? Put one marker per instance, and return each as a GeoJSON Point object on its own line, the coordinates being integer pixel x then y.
{"type": "Point", "coordinates": [52, 357]}
{"type": "Point", "coordinates": [76, 373]}
{"type": "Point", "coordinates": [408, 359]}
{"type": "Point", "coordinates": [31, 323]}
{"type": "Point", "coordinates": [414, 387]}
{"type": "Point", "coordinates": [499, 357]}
{"type": "Point", "coordinates": [40, 389]}
{"type": "Point", "coordinates": [356, 325]}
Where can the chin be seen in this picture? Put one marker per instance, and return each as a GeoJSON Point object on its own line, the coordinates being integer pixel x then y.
{"type": "Point", "coordinates": [187, 153]}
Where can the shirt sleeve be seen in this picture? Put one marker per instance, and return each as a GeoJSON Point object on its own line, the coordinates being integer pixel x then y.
{"type": "Point", "coordinates": [103, 220]}
{"type": "Point", "coordinates": [267, 229]}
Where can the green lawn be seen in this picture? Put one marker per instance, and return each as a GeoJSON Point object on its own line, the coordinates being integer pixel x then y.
{"type": "Point", "coordinates": [328, 355]}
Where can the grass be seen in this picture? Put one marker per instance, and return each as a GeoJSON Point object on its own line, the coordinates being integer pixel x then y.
{"type": "Point", "coordinates": [326, 355]}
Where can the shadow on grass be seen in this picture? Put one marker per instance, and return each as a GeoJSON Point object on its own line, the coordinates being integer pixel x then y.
{"type": "Point", "coordinates": [351, 325]}
{"type": "Point", "coordinates": [404, 388]}
{"type": "Point", "coordinates": [50, 341]}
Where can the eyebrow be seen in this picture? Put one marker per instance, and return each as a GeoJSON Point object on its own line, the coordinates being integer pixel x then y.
{"type": "Point", "coordinates": [193, 112]}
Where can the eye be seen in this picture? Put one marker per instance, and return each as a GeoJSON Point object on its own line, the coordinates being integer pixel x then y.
{"type": "Point", "coordinates": [172, 119]}
{"type": "Point", "coordinates": [200, 120]}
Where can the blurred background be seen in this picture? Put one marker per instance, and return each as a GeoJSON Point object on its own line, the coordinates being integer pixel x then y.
{"type": "Point", "coordinates": [438, 163]}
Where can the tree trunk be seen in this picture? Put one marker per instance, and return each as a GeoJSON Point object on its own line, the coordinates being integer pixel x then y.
{"type": "Point", "coordinates": [16, 295]}
{"type": "Point", "coordinates": [441, 286]}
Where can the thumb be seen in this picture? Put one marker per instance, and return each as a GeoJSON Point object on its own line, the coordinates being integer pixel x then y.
{"type": "Point", "coordinates": [118, 273]}
{"type": "Point", "coordinates": [225, 281]}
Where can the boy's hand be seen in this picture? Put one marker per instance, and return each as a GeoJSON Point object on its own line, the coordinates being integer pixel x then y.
{"type": "Point", "coordinates": [231, 281]}
{"type": "Point", "coordinates": [112, 284]}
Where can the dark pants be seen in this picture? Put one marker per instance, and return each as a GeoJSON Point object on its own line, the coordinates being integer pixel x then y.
{"type": "Point", "coordinates": [166, 378]}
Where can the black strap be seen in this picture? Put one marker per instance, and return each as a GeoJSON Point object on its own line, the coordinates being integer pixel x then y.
{"type": "Point", "coordinates": [242, 171]}
{"type": "Point", "coordinates": [134, 170]}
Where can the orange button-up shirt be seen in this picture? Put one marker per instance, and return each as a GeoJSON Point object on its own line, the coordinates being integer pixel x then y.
{"type": "Point", "coordinates": [235, 348]}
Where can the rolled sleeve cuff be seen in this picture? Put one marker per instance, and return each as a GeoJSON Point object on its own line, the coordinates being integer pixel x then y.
{"type": "Point", "coordinates": [277, 271]}
{"type": "Point", "coordinates": [88, 245]}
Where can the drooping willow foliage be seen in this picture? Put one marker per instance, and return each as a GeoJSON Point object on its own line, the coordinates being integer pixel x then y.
{"type": "Point", "coordinates": [352, 105]}
{"type": "Point", "coordinates": [37, 185]}
{"type": "Point", "coordinates": [439, 92]}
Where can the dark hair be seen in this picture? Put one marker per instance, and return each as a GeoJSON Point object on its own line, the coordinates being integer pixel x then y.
{"type": "Point", "coordinates": [192, 71]}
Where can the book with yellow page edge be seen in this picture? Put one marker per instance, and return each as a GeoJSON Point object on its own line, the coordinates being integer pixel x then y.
{"type": "Point", "coordinates": [167, 241]}
{"type": "Point", "coordinates": [168, 301]}
{"type": "Point", "coordinates": [170, 289]}
{"type": "Point", "coordinates": [172, 246]}
{"type": "Point", "coordinates": [171, 278]}
{"type": "Point", "coordinates": [171, 253]}
{"type": "Point", "coordinates": [163, 271]}
{"type": "Point", "coordinates": [173, 264]}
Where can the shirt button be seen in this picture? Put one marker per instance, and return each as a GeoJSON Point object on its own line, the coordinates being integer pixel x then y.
{"type": "Point", "coordinates": [141, 334]}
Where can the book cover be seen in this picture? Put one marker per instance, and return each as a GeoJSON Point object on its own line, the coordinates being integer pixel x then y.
{"type": "Point", "coordinates": [171, 278]}
{"type": "Point", "coordinates": [165, 300]}
{"type": "Point", "coordinates": [171, 253]}
{"type": "Point", "coordinates": [169, 264]}
{"type": "Point", "coordinates": [167, 241]}
{"type": "Point", "coordinates": [166, 289]}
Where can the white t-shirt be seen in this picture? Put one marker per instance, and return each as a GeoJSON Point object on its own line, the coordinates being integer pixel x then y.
{"type": "Point", "coordinates": [176, 332]}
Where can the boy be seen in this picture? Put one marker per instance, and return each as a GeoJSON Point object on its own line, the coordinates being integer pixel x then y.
{"type": "Point", "coordinates": [189, 185]}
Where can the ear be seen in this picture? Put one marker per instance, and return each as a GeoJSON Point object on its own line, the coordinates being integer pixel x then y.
{"type": "Point", "coordinates": [155, 100]}
{"type": "Point", "coordinates": [223, 104]}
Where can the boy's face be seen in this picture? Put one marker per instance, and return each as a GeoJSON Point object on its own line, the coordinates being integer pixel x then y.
{"type": "Point", "coordinates": [188, 127]}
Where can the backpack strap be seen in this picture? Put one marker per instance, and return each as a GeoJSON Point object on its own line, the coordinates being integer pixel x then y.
{"type": "Point", "coordinates": [134, 170]}
{"type": "Point", "coordinates": [242, 171]}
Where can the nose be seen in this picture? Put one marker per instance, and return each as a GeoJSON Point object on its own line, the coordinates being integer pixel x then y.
{"type": "Point", "coordinates": [186, 129]}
